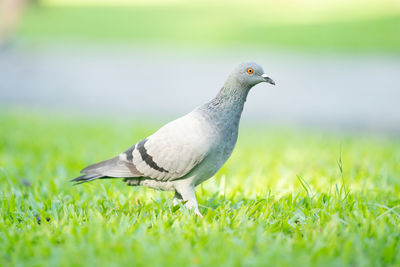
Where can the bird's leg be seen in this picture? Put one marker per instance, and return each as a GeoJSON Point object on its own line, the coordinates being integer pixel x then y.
{"type": "Point", "coordinates": [187, 194]}
{"type": "Point", "coordinates": [177, 198]}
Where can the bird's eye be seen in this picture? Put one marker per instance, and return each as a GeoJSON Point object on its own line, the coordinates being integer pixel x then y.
{"type": "Point", "coordinates": [250, 71]}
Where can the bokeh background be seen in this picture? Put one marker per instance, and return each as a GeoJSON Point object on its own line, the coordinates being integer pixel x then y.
{"type": "Point", "coordinates": [336, 63]}
{"type": "Point", "coordinates": [314, 179]}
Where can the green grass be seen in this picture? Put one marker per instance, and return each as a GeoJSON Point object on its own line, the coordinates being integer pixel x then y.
{"type": "Point", "coordinates": [259, 25]}
{"type": "Point", "coordinates": [281, 200]}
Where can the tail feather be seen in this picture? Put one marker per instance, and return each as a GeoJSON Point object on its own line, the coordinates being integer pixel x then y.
{"type": "Point", "coordinates": [111, 168]}
{"type": "Point", "coordinates": [101, 166]}
{"type": "Point", "coordinates": [87, 177]}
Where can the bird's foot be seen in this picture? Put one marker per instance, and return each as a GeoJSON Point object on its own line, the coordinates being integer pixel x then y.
{"type": "Point", "coordinates": [186, 195]}
{"type": "Point", "coordinates": [188, 205]}
{"type": "Point", "coordinates": [176, 201]}
{"type": "Point", "coordinates": [198, 214]}
{"type": "Point", "coordinates": [193, 206]}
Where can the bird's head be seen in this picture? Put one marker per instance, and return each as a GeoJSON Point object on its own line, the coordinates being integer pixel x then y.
{"type": "Point", "coordinates": [249, 74]}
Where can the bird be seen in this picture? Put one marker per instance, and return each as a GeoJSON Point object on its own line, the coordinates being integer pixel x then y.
{"type": "Point", "coordinates": [189, 150]}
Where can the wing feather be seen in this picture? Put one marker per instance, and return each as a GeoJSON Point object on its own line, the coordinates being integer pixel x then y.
{"type": "Point", "coordinates": [174, 150]}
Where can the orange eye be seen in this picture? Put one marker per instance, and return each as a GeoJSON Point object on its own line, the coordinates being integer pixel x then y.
{"type": "Point", "coordinates": [250, 71]}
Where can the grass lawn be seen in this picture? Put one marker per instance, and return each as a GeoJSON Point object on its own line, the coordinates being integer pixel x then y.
{"type": "Point", "coordinates": [281, 200]}
{"type": "Point", "coordinates": [371, 26]}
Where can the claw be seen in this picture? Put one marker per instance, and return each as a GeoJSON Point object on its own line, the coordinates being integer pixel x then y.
{"type": "Point", "coordinates": [198, 214]}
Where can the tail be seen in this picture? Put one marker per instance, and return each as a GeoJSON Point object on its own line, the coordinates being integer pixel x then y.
{"type": "Point", "coordinates": [96, 171]}
{"type": "Point", "coordinates": [111, 168]}
{"type": "Point", "coordinates": [87, 177]}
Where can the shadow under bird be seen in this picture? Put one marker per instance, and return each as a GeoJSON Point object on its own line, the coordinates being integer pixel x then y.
{"type": "Point", "coordinates": [189, 150]}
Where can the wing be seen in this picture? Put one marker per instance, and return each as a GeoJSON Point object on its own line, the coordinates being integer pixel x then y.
{"type": "Point", "coordinates": [170, 153]}
{"type": "Point", "coordinates": [173, 151]}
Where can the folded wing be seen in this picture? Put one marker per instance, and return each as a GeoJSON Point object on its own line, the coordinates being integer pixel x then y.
{"type": "Point", "coordinates": [174, 150]}
{"type": "Point", "coordinates": [170, 153]}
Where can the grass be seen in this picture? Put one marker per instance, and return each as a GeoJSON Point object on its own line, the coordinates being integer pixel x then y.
{"type": "Point", "coordinates": [285, 198]}
{"type": "Point", "coordinates": [365, 27]}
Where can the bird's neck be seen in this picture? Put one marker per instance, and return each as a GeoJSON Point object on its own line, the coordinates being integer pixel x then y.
{"type": "Point", "coordinates": [228, 104]}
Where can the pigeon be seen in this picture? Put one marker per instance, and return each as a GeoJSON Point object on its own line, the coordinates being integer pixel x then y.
{"type": "Point", "coordinates": [189, 150]}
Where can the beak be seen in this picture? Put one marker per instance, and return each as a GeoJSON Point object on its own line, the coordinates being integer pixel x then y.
{"type": "Point", "coordinates": [268, 79]}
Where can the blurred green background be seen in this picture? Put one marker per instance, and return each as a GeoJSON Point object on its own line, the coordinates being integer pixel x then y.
{"type": "Point", "coordinates": [369, 26]}
{"type": "Point", "coordinates": [314, 179]}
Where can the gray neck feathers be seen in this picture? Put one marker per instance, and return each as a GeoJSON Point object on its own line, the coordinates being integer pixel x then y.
{"type": "Point", "coordinates": [226, 108]}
